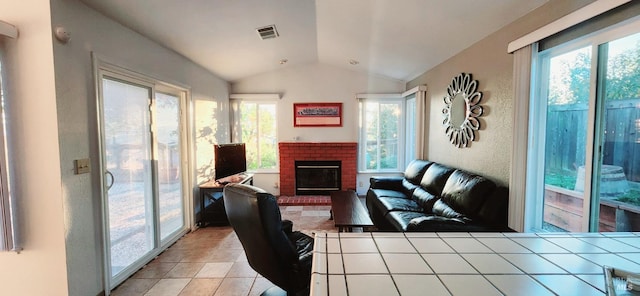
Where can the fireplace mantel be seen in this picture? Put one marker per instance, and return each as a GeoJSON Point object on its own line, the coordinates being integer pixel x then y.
{"type": "Point", "coordinates": [289, 152]}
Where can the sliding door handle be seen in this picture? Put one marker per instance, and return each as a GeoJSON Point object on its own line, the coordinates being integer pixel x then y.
{"type": "Point", "coordinates": [113, 180]}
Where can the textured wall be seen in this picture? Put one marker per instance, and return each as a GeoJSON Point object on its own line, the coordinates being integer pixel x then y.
{"type": "Point", "coordinates": [492, 66]}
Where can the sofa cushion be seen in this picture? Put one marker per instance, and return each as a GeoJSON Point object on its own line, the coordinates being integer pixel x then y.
{"type": "Point", "coordinates": [435, 177]}
{"type": "Point", "coordinates": [466, 192]}
{"type": "Point", "coordinates": [400, 219]}
{"type": "Point", "coordinates": [387, 204]}
{"type": "Point", "coordinates": [388, 193]}
{"type": "Point", "coordinates": [392, 183]}
{"type": "Point", "coordinates": [442, 209]}
{"type": "Point", "coordinates": [424, 199]}
{"type": "Point", "coordinates": [415, 169]}
{"type": "Point", "coordinates": [413, 174]}
{"type": "Point", "coordinates": [438, 223]}
{"type": "Point", "coordinates": [408, 187]}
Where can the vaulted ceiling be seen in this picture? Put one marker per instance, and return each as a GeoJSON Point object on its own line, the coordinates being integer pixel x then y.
{"type": "Point", "coordinates": [399, 39]}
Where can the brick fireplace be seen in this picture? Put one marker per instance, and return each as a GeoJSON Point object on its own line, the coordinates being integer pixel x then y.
{"type": "Point", "coordinates": [346, 152]}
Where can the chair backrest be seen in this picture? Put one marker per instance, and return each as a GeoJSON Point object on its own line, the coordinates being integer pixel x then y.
{"type": "Point", "coordinates": [255, 217]}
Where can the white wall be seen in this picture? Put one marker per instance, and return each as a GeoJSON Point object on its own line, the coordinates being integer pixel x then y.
{"type": "Point", "coordinates": [76, 109]}
{"type": "Point", "coordinates": [41, 268]}
{"type": "Point", "coordinates": [314, 83]}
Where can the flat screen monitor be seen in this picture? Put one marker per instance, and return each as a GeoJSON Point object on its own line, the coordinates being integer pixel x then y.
{"type": "Point", "coordinates": [230, 159]}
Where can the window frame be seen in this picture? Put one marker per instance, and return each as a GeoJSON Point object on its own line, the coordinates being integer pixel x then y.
{"type": "Point", "coordinates": [8, 234]}
{"type": "Point", "coordinates": [381, 98]}
{"type": "Point", "coordinates": [410, 121]}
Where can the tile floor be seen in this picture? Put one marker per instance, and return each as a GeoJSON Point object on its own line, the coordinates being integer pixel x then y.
{"type": "Point", "coordinates": [210, 261]}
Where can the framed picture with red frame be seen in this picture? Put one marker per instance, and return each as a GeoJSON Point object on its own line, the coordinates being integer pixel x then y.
{"type": "Point", "coordinates": [317, 114]}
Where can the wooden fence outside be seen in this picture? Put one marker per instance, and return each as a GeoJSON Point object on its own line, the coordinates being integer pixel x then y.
{"type": "Point", "coordinates": [567, 132]}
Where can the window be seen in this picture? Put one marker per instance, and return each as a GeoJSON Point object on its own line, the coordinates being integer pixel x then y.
{"type": "Point", "coordinates": [255, 124]}
{"type": "Point", "coordinates": [584, 134]}
{"type": "Point", "coordinates": [382, 134]}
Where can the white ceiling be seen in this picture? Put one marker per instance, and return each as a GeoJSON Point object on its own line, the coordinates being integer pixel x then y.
{"type": "Point", "coordinates": [400, 39]}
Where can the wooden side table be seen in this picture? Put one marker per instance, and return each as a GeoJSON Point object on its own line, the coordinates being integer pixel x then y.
{"type": "Point", "coordinates": [212, 210]}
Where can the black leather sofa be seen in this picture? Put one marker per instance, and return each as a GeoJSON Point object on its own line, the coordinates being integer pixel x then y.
{"type": "Point", "coordinates": [434, 197]}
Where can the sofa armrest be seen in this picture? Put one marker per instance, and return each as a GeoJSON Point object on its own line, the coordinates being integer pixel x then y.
{"type": "Point", "coordinates": [390, 183]}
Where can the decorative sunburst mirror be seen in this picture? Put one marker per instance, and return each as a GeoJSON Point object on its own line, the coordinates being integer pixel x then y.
{"type": "Point", "coordinates": [462, 110]}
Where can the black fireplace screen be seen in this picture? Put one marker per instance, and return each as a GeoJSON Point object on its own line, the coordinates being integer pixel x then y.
{"type": "Point", "coordinates": [319, 177]}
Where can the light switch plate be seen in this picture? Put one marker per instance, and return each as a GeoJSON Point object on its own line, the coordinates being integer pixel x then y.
{"type": "Point", "coordinates": [82, 166]}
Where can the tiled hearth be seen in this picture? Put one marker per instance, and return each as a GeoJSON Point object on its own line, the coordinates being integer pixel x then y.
{"type": "Point", "coordinates": [304, 200]}
{"type": "Point", "coordinates": [346, 152]}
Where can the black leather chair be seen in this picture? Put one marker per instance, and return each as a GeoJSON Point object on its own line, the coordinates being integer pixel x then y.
{"type": "Point", "coordinates": [273, 250]}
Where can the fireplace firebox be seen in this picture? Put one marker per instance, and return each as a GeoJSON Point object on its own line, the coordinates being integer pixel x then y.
{"type": "Point", "coordinates": [317, 177]}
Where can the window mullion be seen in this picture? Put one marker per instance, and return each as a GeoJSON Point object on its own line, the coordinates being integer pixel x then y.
{"type": "Point", "coordinates": [258, 132]}
{"type": "Point", "coordinates": [378, 140]}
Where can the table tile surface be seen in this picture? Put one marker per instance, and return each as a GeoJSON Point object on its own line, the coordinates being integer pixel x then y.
{"type": "Point", "coordinates": [466, 245]}
{"type": "Point", "coordinates": [471, 285]}
{"type": "Point", "coordinates": [430, 245]}
{"type": "Point", "coordinates": [469, 263]}
{"type": "Point", "coordinates": [417, 284]}
{"type": "Point", "coordinates": [406, 263]}
{"type": "Point", "coordinates": [491, 263]}
{"type": "Point", "coordinates": [567, 285]}
{"type": "Point", "coordinates": [503, 245]}
{"type": "Point", "coordinates": [533, 264]}
{"type": "Point", "coordinates": [515, 284]}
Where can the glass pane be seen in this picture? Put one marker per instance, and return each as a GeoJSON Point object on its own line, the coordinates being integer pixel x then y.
{"type": "Point", "coordinates": [268, 141]}
{"type": "Point", "coordinates": [371, 136]}
{"type": "Point", "coordinates": [248, 121]}
{"type": "Point", "coordinates": [565, 142]}
{"type": "Point", "coordinates": [389, 133]}
{"type": "Point", "coordinates": [619, 174]}
{"type": "Point", "coordinates": [128, 157]}
{"type": "Point", "coordinates": [382, 129]}
{"type": "Point", "coordinates": [169, 166]}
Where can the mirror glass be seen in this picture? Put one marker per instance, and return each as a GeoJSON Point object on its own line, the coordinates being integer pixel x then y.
{"type": "Point", "coordinates": [462, 110]}
{"type": "Point", "coordinates": [458, 111]}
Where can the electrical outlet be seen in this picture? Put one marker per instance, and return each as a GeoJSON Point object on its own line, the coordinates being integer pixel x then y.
{"type": "Point", "coordinates": [82, 166]}
{"type": "Point", "coordinates": [360, 184]}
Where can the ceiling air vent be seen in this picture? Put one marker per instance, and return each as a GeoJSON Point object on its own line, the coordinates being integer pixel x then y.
{"type": "Point", "coordinates": [267, 32]}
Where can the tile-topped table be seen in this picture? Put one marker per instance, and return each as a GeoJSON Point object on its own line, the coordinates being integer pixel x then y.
{"type": "Point", "coordinates": [382, 263]}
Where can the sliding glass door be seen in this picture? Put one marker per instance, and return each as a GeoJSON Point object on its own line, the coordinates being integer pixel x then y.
{"type": "Point", "coordinates": [585, 134]}
{"type": "Point", "coordinates": [142, 140]}
{"type": "Point", "coordinates": [566, 104]}
{"type": "Point", "coordinates": [128, 154]}
{"type": "Point", "coordinates": [617, 172]}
